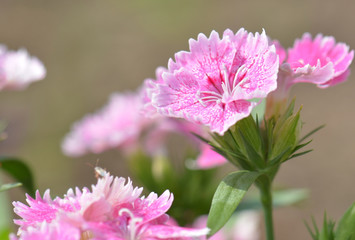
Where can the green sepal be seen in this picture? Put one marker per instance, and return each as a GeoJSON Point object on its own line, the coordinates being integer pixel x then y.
{"type": "Point", "coordinates": [346, 227]}
{"type": "Point", "coordinates": [326, 233]}
{"type": "Point", "coordinates": [228, 195]}
{"type": "Point", "coordinates": [286, 136]}
{"type": "Point", "coordinates": [247, 130]}
{"type": "Point", "coordinates": [19, 171]}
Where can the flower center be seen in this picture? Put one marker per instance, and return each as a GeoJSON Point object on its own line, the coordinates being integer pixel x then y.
{"type": "Point", "coordinates": [229, 88]}
{"type": "Point", "coordinates": [132, 225]}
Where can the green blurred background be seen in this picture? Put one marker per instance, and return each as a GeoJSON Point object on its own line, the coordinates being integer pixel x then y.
{"type": "Point", "coordinates": [93, 48]}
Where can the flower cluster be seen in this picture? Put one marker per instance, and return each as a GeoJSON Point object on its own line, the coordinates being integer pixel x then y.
{"type": "Point", "coordinates": [18, 69]}
{"type": "Point", "coordinates": [129, 122]}
{"type": "Point", "coordinates": [320, 61]}
{"type": "Point", "coordinates": [214, 84]}
{"type": "Point", "coordinates": [113, 209]}
{"type": "Point", "coordinates": [217, 82]}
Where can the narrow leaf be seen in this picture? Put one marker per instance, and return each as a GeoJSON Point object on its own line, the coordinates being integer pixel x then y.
{"type": "Point", "coordinates": [8, 186]}
{"type": "Point", "coordinates": [311, 133]}
{"type": "Point", "coordinates": [299, 154]}
{"type": "Point", "coordinates": [298, 147]}
{"type": "Point", "coordinates": [227, 197]}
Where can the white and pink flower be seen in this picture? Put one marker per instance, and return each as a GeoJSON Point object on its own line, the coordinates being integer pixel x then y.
{"type": "Point", "coordinates": [18, 69]}
{"type": "Point", "coordinates": [216, 82]}
{"type": "Point", "coordinates": [113, 209]}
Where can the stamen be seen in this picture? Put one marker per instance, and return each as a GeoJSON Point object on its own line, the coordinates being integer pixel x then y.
{"type": "Point", "coordinates": [211, 96]}
{"type": "Point", "coordinates": [240, 69]}
{"type": "Point", "coordinates": [86, 235]}
{"type": "Point", "coordinates": [132, 222]}
{"type": "Point", "coordinates": [229, 90]}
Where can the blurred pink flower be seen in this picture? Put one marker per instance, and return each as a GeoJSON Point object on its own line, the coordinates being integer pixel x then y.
{"type": "Point", "coordinates": [148, 88]}
{"type": "Point", "coordinates": [117, 124]}
{"type": "Point", "coordinates": [321, 61]}
{"type": "Point", "coordinates": [243, 225]}
{"type": "Point", "coordinates": [214, 83]}
{"type": "Point", "coordinates": [208, 158]}
{"type": "Point", "coordinates": [18, 69]}
{"type": "Point", "coordinates": [113, 209]}
{"type": "Point", "coordinates": [280, 51]}
{"type": "Point", "coordinates": [122, 124]}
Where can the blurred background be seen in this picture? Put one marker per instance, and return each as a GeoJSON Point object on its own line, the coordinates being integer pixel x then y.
{"type": "Point", "coordinates": [94, 48]}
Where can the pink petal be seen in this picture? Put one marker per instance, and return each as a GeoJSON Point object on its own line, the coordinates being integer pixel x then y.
{"type": "Point", "coordinates": [320, 61]}
{"type": "Point", "coordinates": [209, 158]}
{"type": "Point", "coordinates": [169, 232]}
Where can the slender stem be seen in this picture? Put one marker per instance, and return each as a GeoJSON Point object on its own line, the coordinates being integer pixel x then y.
{"type": "Point", "coordinates": [266, 200]}
{"type": "Point", "coordinates": [4, 210]}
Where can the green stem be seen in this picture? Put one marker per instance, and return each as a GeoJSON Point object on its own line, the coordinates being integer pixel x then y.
{"type": "Point", "coordinates": [266, 200]}
{"type": "Point", "coordinates": [4, 210]}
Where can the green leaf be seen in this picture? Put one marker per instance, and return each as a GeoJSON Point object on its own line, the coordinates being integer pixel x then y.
{"type": "Point", "coordinates": [346, 226]}
{"type": "Point", "coordinates": [19, 171]}
{"type": "Point", "coordinates": [8, 186]}
{"type": "Point", "coordinates": [228, 195]}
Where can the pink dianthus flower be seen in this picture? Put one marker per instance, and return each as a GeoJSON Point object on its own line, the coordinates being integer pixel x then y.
{"type": "Point", "coordinates": [321, 61]}
{"type": "Point", "coordinates": [113, 209]}
{"type": "Point", "coordinates": [214, 84]}
{"type": "Point", "coordinates": [119, 123]}
{"type": "Point", "coordinates": [18, 69]}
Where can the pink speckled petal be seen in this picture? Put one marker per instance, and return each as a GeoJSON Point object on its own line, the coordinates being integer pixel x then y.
{"type": "Point", "coordinates": [39, 210]}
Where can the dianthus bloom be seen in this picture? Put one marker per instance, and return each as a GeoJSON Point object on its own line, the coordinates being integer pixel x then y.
{"type": "Point", "coordinates": [216, 82]}
{"type": "Point", "coordinates": [118, 123]}
{"type": "Point", "coordinates": [18, 69]}
{"type": "Point", "coordinates": [320, 61]}
{"type": "Point", "coordinates": [113, 209]}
